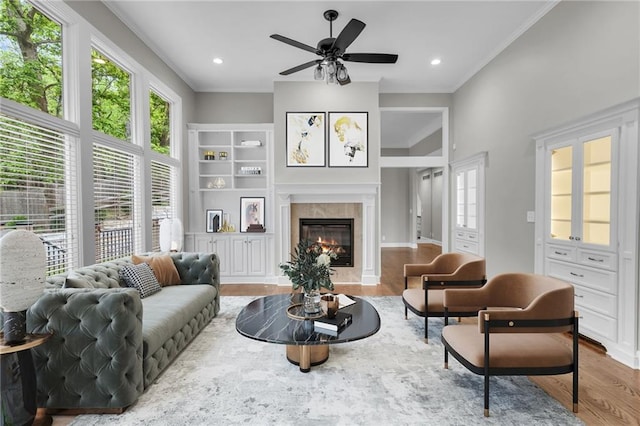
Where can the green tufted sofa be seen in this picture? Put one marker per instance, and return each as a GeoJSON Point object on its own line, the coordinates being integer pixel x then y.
{"type": "Point", "coordinates": [108, 344]}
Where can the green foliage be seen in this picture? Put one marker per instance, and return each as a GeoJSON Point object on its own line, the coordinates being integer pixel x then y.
{"type": "Point", "coordinates": [30, 57]}
{"type": "Point", "coordinates": [160, 124]}
{"type": "Point", "coordinates": [309, 267]}
{"type": "Point", "coordinates": [111, 97]}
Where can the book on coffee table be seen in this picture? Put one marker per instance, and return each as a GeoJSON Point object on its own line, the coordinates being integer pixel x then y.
{"type": "Point", "coordinates": [324, 324]}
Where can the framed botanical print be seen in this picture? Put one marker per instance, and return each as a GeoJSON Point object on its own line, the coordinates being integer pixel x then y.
{"type": "Point", "coordinates": [348, 139]}
{"type": "Point", "coordinates": [251, 212]}
{"type": "Point", "coordinates": [305, 138]}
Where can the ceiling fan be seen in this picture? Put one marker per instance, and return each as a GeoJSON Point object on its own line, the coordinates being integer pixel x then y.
{"type": "Point", "coordinates": [332, 51]}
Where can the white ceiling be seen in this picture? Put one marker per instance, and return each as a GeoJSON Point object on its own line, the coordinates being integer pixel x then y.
{"type": "Point", "coordinates": [466, 35]}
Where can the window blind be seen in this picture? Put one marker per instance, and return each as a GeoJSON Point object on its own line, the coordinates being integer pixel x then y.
{"type": "Point", "coordinates": [163, 197]}
{"type": "Point", "coordinates": [38, 190]}
{"type": "Point", "coordinates": [114, 203]}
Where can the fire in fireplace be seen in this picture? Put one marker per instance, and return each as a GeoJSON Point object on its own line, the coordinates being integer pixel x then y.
{"type": "Point", "coordinates": [331, 233]}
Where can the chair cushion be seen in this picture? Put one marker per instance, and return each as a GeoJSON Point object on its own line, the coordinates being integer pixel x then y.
{"type": "Point", "coordinates": [141, 278]}
{"type": "Point", "coordinates": [415, 298]}
{"type": "Point", "coordinates": [162, 266]}
{"type": "Point", "coordinates": [508, 350]}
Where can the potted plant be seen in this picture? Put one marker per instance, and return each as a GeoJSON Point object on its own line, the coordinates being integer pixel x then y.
{"type": "Point", "coordinates": [310, 269]}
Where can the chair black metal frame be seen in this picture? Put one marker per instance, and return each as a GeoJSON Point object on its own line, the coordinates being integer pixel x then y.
{"type": "Point", "coordinates": [486, 370]}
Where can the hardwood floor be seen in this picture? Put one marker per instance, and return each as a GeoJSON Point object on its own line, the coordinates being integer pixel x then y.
{"type": "Point", "coordinates": [609, 392]}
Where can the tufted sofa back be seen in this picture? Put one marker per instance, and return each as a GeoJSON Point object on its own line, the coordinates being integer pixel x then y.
{"type": "Point", "coordinates": [193, 268]}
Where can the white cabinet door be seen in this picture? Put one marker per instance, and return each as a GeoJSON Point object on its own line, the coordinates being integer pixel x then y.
{"type": "Point", "coordinates": [248, 256]}
{"type": "Point", "coordinates": [238, 258]}
{"type": "Point", "coordinates": [202, 243]}
{"type": "Point", "coordinates": [256, 256]}
{"type": "Point", "coordinates": [581, 191]}
{"type": "Point", "coordinates": [220, 244]}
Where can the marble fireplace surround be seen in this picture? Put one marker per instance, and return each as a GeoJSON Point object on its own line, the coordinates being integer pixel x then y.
{"type": "Point", "coordinates": [330, 200]}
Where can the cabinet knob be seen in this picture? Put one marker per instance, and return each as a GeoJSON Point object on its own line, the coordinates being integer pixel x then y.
{"type": "Point", "coordinates": [571, 237]}
{"type": "Point", "coordinates": [577, 238]}
{"type": "Point", "coordinates": [593, 259]}
{"type": "Point", "coordinates": [579, 296]}
{"type": "Point", "coordinates": [577, 275]}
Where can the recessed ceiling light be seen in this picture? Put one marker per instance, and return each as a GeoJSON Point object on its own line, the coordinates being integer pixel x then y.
{"type": "Point", "coordinates": [217, 61]}
{"type": "Point", "coordinates": [435, 61]}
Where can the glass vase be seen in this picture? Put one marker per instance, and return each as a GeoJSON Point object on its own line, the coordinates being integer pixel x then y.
{"type": "Point", "coordinates": [311, 301]}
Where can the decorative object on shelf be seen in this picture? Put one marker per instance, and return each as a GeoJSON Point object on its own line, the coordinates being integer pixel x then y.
{"type": "Point", "coordinates": [245, 170]}
{"type": "Point", "coordinates": [251, 212]}
{"type": "Point", "coordinates": [171, 235]}
{"type": "Point", "coordinates": [210, 155]}
{"type": "Point", "coordinates": [214, 219]}
{"type": "Point", "coordinates": [226, 226]}
{"type": "Point", "coordinates": [348, 139]}
{"type": "Point", "coordinates": [310, 269]}
{"type": "Point", "coordinates": [250, 143]}
{"type": "Point", "coordinates": [23, 266]}
{"type": "Point", "coordinates": [219, 183]}
{"type": "Point", "coordinates": [255, 227]}
{"type": "Point", "coordinates": [222, 155]}
{"type": "Point", "coordinates": [305, 139]}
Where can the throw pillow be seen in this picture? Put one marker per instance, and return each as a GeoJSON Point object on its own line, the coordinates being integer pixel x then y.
{"type": "Point", "coordinates": [75, 280]}
{"type": "Point", "coordinates": [162, 266]}
{"type": "Point", "coordinates": [141, 278]}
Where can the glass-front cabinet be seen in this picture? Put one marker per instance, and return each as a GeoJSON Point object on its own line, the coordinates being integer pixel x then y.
{"type": "Point", "coordinates": [468, 201]}
{"type": "Point", "coordinates": [581, 190]}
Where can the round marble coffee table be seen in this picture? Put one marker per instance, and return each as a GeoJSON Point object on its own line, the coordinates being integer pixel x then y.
{"type": "Point", "coordinates": [265, 319]}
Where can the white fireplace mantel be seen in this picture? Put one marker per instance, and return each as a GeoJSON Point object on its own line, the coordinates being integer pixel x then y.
{"type": "Point", "coordinates": [363, 193]}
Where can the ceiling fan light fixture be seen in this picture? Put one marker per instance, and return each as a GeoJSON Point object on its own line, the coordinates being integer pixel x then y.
{"type": "Point", "coordinates": [331, 79]}
{"type": "Point", "coordinates": [331, 67]}
{"type": "Point", "coordinates": [318, 73]}
{"type": "Point", "coordinates": [342, 74]}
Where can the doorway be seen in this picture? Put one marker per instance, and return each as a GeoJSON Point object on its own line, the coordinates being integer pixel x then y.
{"type": "Point", "coordinates": [416, 140]}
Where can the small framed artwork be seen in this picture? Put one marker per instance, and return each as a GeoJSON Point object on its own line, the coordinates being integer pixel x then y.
{"type": "Point", "coordinates": [306, 139]}
{"type": "Point", "coordinates": [348, 139]}
{"type": "Point", "coordinates": [214, 220]}
{"type": "Point", "coordinates": [251, 213]}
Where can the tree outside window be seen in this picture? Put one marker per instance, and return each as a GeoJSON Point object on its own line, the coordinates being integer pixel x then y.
{"type": "Point", "coordinates": [111, 97]}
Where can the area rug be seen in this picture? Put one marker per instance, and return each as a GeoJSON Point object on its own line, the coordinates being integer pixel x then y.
{"type": "Point", "coordinates": [392, 377]}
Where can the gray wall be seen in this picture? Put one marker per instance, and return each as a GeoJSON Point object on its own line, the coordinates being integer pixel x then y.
{"type": "Point", "coordinates": [579, 58]}
{"type": "Point", "coordinates": [319, 97]}
{"type": "Point", "coordinates": [395, 202]}
{"type": "Point", "coordinates": [426, 146]}
{"type": "Point", "coordinates": [233, 107]}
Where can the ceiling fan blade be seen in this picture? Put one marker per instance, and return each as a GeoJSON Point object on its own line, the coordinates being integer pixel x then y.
{"type": "Point", "coordinates": [294, 43]}
{"type": "Point", "coordinates": [372, 58]}
{"type": "Point", "coordinates": [348, 35]}
{"type": "Point", "coordinates": [300, 67]}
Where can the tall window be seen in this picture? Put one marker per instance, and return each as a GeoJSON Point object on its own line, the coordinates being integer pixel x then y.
{"type": "Point", "coordinates": [163, 167]}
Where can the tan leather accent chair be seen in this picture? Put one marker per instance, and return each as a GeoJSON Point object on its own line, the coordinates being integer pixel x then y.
{"type": "Point", "coordinates": [448, 270]}
{"type": "Point", "coordinates": [517, 333]}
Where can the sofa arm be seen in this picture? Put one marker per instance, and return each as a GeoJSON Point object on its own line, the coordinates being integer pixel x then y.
{"type": "Point", "coordinates": [198, 268]}
{"type": "Point", "coordinates": [94, 358]}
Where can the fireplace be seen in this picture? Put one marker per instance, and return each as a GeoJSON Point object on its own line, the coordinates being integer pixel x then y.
{"type": "Point", "coordinates": [336, 233]}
